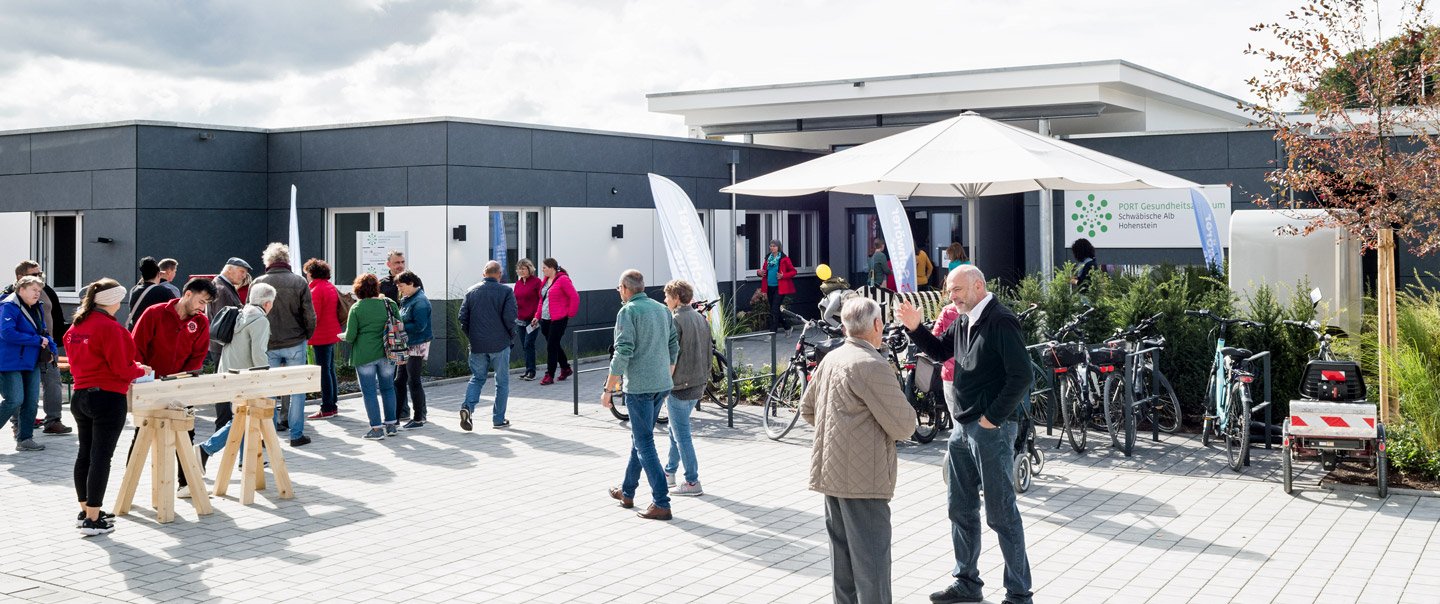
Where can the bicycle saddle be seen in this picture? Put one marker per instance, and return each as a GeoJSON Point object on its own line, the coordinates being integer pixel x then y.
{"type": "Point", "coordinates": [1236, 352]}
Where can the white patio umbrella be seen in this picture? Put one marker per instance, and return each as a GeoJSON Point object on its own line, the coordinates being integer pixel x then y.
{"type": "Point", "coordinates": [965, 156]}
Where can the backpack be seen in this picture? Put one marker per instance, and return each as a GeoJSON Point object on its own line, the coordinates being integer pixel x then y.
{"type": "Point", "coordinates": [397, 342]}
{"type": "Point", "coordinates": [222, 328]}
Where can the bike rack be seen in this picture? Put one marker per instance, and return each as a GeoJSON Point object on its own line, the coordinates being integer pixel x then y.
{"type": "Point", "coordinates": [1050, 385]}
{"type": "Point", "coordinates": [1129, 388]}
{"type": "Point", "coordinates": [1266, 405]}
{"type": "Point", "coordinates": [730, 380]}
{"type": "Point", "coordinates": [575, 355]}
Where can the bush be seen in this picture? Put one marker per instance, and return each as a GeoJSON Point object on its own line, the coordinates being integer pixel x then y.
{"type": "Point", "coordinates": [1409, 454]}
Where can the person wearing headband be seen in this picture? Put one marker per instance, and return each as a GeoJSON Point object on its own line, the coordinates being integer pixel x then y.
{"type": "Point", "coordinates": [102, 362]}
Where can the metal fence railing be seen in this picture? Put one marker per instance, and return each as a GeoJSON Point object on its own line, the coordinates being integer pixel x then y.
{"type": "Point", "coordinates": [575, 359]}
{"type": "Point", "coordinates": [732, 382]}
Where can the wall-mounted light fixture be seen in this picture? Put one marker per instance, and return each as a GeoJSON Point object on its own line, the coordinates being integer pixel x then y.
{"type": "Point", "coordinates": [104, 240]}
{"type": "Point", "coordinates": [617, 231]}
{"type": "Point", "coordinates": [207, 136]}
{"type": "Point", "coordinates": [458, 233]}
{"type": "Point", "coordinates": [614, 191]}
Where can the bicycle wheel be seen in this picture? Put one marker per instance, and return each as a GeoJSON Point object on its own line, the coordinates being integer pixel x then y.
{"type": "Point", "coordinates": [1210, 409]}
{"type": "Point", "coordinates": [1119, 418]}
{"type": "Point", "coordinates": [782, 403]}
{"type": "Point", "coordinates": [720, 373]}
{"type": "Point", "coordinates": [1237, 426]}
{"type": "Point", "coordinates": [1074, 411]}
{"type": "Point", "coordinates": [1040, 398]}
{"type": "Point", "coordinates": [927, 417]}
{"type": "Point", "coordinates": [1165, 411]}
{"type": "Point", "coordinates": [617, 407]}
{"type": "Point", "coordinates": [1287, 469]}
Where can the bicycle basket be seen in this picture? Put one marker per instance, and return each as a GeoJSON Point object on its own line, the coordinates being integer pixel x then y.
{"type": "Point", "coordinates": [1068, 354]}
{"type": "Point", "coordinates": [1333, 381]}
{"type": "Point", "coordinates": [927, 375]}
{"type": "Point", "coordinates": [1107, 357]}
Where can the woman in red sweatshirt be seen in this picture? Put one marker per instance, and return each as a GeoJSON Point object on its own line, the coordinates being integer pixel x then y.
{"type": "Point", "coordinates": [330, 314]}
{"type": "Point", "coordinates": [527, 301]}
{"type": "Point", "coordinates": [102, 362]}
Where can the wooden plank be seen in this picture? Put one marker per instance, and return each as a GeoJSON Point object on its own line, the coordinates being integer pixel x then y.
{"type": "Point", "coordinates": [131, 481]}
{"type": "Point", "coordinates": [232, 449]}
{"type": "Point", "coordinates": [224, 387]}
{"type": "Point", "coordinates": [162, 474]}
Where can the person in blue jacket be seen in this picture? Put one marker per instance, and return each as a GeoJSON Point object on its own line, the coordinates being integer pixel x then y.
{"type": "Point", "coordinates": [23, 337]}
{"type": "Point", "coordinates": [415, 314]}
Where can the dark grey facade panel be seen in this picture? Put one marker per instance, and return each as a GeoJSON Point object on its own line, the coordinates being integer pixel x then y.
{"type": "Point", "coordinates": [489, 146]}
{"type": "Point", "coordinates": [693, 159]}
{"type": "Point", "coordinates": [425, 186]}
{"type": "Point", "coordinates": [373, 147]}
{"type": "Point", "coordinates": [604, 190]}
{"type": "Point", "coordinates": [89, 149]}
{"type": "Point", "coordinates": [277, 228]}
{"type": "Point", "coordinates": [15, 154]}
{"type": "Point", "coordinates": [208, 238]}
{"type": "Point", "coordinates": [113, 189]}
{"type": "Point", "coordinates": [759, 162]}
{"type": "Point", "coordinates": [117, 259]}
{"type": "Point", "coordinates": [508, 186]}
{"type": "Point", "coordinates": [185, 149]}
{"type": "Point", "coordinates": [283, 151]}
{"type": "Point", "coordinates": [42, 192]}
{"type": "Point", "coordinates": [1253, 149]}
{"type": "Point", "coordinates": [340, 188]}
{"type": "Point", "coordinates": [584, 152]}
{"type": "Point", "coordinates": [1204, 151]}
{"type": "Point", "coordinates": [189, 189]}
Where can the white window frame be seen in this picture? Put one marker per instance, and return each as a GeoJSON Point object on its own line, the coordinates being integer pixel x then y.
{"type": "Point", "coordinates": [43, 239]}
{"type": "Point", "coordinates": [775, 232]}
{"type": "Point", "coordinates": [330, 238]}
{"type": "Point", "coordinates": [542, 247]}
{"type": "Point", "coordinates": [810, 236]}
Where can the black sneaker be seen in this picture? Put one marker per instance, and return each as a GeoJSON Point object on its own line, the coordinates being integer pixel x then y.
{"type": "Point", "coordinates": [954, 594]}
{"type": "Point", "coordinates": [90, 528]}
{"type": "Point", "coordinates": [465, 420]}
{"type": "Point", "coordinates": [300, 442]}
{"type": "Point", "coordinates": [104, 517]}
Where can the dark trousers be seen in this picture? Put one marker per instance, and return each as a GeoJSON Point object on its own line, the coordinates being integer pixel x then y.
{"type": "Point", "coordinates": [329, 382]}
{"type": "Point", "coordinates": [554, 332]}
{"type": "Point", "coordinates": [983, 459]}
{"type": "Point", "coordinates": [99, 420]}
{"type": "Point", "coordinates": [527, 338]}
{"type": "Point", "coordinates": [776, 321]}
{"type": "Point", "coordinates": [407, 376]}
{"type": "Point", "coordinates": [859, 549]}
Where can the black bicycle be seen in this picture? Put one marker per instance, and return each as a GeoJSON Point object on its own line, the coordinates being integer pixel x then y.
{"type": "Point", "coordinates": [921, 382]}
{"type": "Point", "coordinates": [782, 402]}
{"type": "Point", "coordinates": [1077, 380]}
{"type": "Point", "coordinates": [720, 371]}
{"type": "Point", "coordinates": [1152, 398]}
{"type": "Point", "coordinates": [1042, 389]}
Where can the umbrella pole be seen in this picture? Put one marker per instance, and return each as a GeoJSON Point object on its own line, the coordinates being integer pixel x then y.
{"type": "Point", "coordinates": [1047, 223]}
{"type": "Point", "coordinates": [971, 209]}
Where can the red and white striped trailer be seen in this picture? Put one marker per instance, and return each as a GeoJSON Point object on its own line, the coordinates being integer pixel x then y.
{"type": "Point", "coordinates": [1332, 432]}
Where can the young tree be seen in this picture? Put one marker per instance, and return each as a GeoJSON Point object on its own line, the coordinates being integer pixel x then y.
{"type": "Point", "coordinates": [1367, 148]}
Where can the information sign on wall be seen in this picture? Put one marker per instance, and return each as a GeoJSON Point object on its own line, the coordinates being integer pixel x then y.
{"type": "Point", "coordinates": [372, 249]}
{"type": "Point", "coordinates": [1143, 218]}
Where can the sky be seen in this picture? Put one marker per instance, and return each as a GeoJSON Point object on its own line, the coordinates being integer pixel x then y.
{"type": "Point", "coordinates": [570, 63]}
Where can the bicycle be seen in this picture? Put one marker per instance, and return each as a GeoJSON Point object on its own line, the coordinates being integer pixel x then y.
{"type": "Point", "coordinates": [1151, 395]}
{"type": "Point", "coordinates": [1228, 399]}
{"type": "Point", "coordinates": [926, 397]}
{"type": "Point", "coordinates": [1078, 382]}
{"type": "Point", "coordinates": [782, 402]}
{"type": "Point", "coordinates": [1042, 399]}
{"type": "Point", "coordinates": [720, 371]}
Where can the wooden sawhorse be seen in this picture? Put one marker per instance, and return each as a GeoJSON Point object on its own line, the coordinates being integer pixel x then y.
{"type": "Point", "coordinates": [253, 433]}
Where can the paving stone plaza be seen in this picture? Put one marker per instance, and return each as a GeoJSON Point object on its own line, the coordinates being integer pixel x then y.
{"type": "Point", "coordinates": [522, 515]}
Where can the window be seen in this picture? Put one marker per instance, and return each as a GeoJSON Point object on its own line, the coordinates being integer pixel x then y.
{"type": "Point", "coordinates": [515, 234]}
{"type": "Point", "coordinates": [802, 238]}
{"type": "Point", "coordinates": [758, 229]}
{"type": "Point", "coordinates": [344, 224]}
{"type": "Point", "coordinates": [799, 236]}
{"type": "Point", "coordinates": [57, 249]}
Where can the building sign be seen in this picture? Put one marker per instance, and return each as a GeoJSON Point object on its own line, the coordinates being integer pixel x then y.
{"type": "Point", "coordinates": [372, 249]}
{"type": "Point", "coordinates": [1143, 218]}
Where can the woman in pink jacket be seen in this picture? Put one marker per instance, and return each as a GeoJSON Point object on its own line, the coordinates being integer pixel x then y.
{"type": "Point", "coordinates": [558, 302]}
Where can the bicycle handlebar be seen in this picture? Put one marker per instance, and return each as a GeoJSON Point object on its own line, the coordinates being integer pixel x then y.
{"type": "Point", "coordinates": [1024, 314]}
{"type": "Point", "coordinates": [1205, 312]}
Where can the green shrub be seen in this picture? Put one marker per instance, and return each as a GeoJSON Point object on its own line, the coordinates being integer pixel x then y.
{"type": "Point", "coordinates": [1408, 453]}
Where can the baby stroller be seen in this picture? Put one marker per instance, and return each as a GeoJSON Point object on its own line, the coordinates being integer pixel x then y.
{"type": "Point", "coordinates": [1029, 459]}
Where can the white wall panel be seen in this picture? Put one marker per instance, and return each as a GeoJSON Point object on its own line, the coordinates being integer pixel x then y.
{"type": "Point", "coordinates": [15, 232]}
{"type": "Point", "coordinates": [466, 259]}
{"type": "Point", "coordinates": [425, 240]}
{"type": "Point", "coordinates": [580, 241]}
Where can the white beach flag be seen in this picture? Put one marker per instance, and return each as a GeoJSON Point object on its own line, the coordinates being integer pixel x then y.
{"type": "Point", "coordinates": [685, 240]}
{"type": "Point", "coordinates": [296, 260]}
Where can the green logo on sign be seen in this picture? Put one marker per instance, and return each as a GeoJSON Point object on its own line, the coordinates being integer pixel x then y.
{"type": "Point", "coordinates": [1091, 215]}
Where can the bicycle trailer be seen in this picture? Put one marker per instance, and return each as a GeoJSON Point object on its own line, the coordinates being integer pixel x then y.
{"type": "Point", "coordinates": [1333, 423]}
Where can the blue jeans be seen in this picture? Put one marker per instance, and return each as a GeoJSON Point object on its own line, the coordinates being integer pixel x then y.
{"type": "Point", "coordinates": [329, 382]}
{"type": "Point", "coordinates": [20, 391]}
{"type": "Point", "coordinates": [378, 374]}
{"type": "Point", "coordinates": [644, 408]}
{"type": "Point", "coordinates": [480, 365]}
{"type": "Point", "coordinates": [984, 458]}
{"type": "Point", "coordinates": [681, 447]}
{"type": "Point", "coordinates": [527, 344]}
{"type": "Point", "coordinates": [293, 356]}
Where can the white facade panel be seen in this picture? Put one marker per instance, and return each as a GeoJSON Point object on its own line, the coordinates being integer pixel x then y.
{"type": "Point", "coordinates": [425, 239]}
{"type": "Point", "coordinates": [581, 242]}
{"type": "Point", "coordinates": [465, 260]}
{"type": "Point", "coordinates": [16, 229]}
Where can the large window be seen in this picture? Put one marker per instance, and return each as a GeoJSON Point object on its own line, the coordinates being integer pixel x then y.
{"type": "Point", "coordinates": [798, 232]}
{"type": "Point", "coordinates": [515, 234]}
{"type": "Point", "coordinates": [57, 249]}
{"type": "Point", "coordinates": [343, 225]}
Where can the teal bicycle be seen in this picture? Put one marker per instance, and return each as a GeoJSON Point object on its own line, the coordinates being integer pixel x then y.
{"type": "Point", "coordinates": [1228, 398]}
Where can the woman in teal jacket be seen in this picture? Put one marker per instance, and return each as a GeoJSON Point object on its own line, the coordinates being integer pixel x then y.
{"type": "Point", "coordinates": [415, 314]}
{"type": "Point", "coordinates": [22, 337]}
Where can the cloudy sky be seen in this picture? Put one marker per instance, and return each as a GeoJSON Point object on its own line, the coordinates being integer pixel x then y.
{"type": "Point", "coordinates": [282, 63]}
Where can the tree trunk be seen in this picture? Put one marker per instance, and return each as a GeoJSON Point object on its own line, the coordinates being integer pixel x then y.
{"type": "Point", "coordinates": [1385, 303]}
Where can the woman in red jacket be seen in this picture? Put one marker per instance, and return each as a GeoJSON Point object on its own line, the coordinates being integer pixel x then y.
{"type": "Point", "coordinates": [777, 280]}
{"type": "Point", "coordinates": [558, 302]}
{"type": "Point", "coordinates": [327, 332]}
{"type": "Point", "coordinates": [527, 301]}
{"type": "Point", "coordinates": [102, 362]}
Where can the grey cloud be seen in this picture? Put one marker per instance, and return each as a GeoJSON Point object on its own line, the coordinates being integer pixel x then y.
{"type": "Point", "coordinates": [228, 39]}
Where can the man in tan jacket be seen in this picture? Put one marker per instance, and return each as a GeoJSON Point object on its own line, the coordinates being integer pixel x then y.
{"type": "Point", "coordinates": [859, 411]}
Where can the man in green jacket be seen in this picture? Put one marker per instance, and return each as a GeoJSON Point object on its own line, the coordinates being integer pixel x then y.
{"type": "Point", "coordinates": [646, 347]}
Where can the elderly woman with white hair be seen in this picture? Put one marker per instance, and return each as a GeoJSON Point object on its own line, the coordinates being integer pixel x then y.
{"type": "Point", "coordinates": [858, 411]}
{"type": "Point", "coordinates": [25, 345]}
{"type": "Point", "coordinates": [246, 350]}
